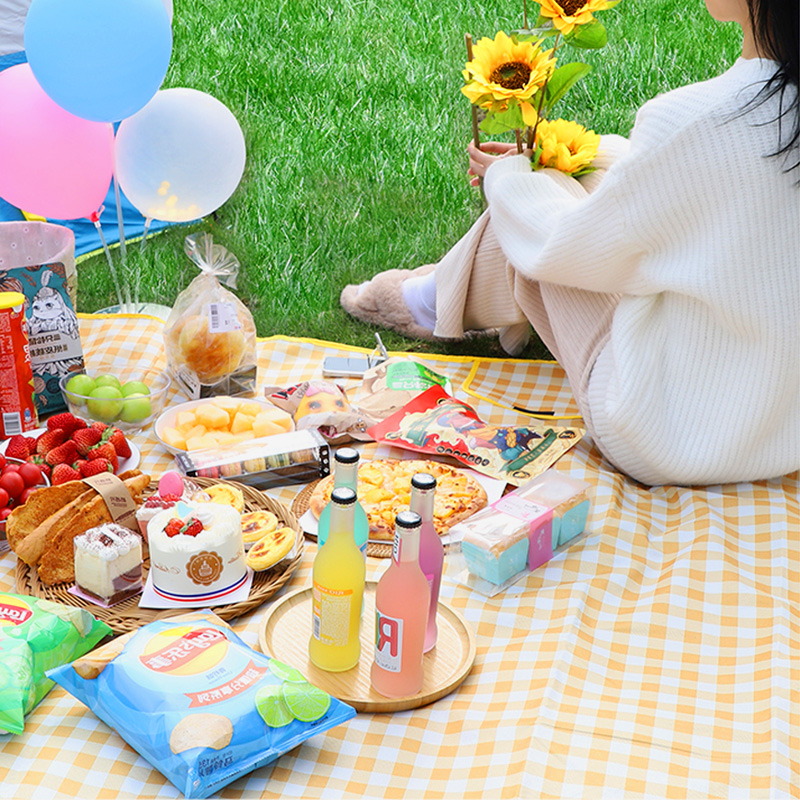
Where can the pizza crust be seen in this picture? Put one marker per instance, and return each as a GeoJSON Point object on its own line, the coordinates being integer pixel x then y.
{"type": "Point", "coordinates": [384, 489]}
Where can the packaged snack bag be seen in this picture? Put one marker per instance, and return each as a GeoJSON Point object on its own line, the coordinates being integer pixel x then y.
{"type": "Point", "coordinates": [199, 704]}
{"type": "Point", "coordinates": [321, 405]}
{"type": "Point", "coordinates": [387, 387]}
{"type": "Point", "coordinates": [38, 260]}
{"type": "Point", "coordinates": [434, 422]}
{"type": "Point", "coordinates": [35, 636]}
{"type": "Point", "coordinates": [210, 336]}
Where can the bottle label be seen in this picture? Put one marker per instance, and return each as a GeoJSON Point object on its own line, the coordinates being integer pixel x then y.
{"type": "Point", "coordinates": [331, 615]}
{"type": "Point", "coordinates": [388, 642]}
{"type": "Point", "coordinates": [397, 547]}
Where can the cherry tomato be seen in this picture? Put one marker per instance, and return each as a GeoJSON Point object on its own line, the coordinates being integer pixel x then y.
{"type": "Point", "coordinates": [4, 498]}
{"type": "Point", "coordinates": [9, 467]}
{"type": "Point", "coordinates": [12, 482]}
{"type": "Point", "coordinates": [31, 474]}
{"type": "Point", "coordinates": [2, 461]}
{"type": "Point", "coordinates": [4, 512]}
{"type": "Point", "coordinates": [23, 498]}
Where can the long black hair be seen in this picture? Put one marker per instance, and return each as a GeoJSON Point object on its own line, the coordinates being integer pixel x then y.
{"type": "Point", "coordinates": [775, 29]}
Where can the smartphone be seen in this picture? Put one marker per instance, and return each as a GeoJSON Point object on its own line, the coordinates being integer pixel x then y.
{"type": "Point", "coordinates": [337, 367]}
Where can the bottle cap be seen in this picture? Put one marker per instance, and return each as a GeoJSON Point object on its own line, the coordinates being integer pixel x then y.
{"type": "Point", "coordinates": [343, 496]}
{"type": "Point", "coordinates": [422, 480]}
{"type": "Point", "coordinates": [408, 519]}
{"type": "Point", "coordinates": [346, 455]}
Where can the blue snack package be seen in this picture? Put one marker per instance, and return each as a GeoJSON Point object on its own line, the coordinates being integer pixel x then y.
{"type": "Point", "coordinates": [35, 636]}
{"type": "Point", "coordinates": [199, 704]}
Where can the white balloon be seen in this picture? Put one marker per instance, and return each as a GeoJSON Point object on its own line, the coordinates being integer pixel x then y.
{"type": "Point", "coordinates": [180, 157]}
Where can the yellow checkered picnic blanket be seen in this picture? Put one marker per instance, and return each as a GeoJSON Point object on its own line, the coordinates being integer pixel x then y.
{"type": "Point", "coordinates": [659, 657]}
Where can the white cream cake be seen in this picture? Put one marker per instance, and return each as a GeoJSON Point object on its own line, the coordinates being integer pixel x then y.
{"type": "Point", "coordinates": [200, 555]}
{"type": "Point", "coordinates": [108, 563]}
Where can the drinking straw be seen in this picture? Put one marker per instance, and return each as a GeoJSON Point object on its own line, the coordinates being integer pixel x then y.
{"type": "Point", "coordinates": [95, 218]}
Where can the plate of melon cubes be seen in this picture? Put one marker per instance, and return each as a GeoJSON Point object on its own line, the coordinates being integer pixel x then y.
{"type": "Point", "coordinates": [214, 421]}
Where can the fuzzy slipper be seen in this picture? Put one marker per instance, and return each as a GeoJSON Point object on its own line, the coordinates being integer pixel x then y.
{"type": "Point", "coordinates": [380, 302]}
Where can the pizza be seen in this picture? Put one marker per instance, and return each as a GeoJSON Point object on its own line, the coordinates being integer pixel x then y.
{"type": "Point", "coordinates": [384, 490]}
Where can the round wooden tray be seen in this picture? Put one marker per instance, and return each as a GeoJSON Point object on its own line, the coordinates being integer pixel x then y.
{"type": "Point", "coordinates": [127, 616]}
{"type": "Point", "coordinates": [301, 504]}
{"type": "Point", "coordinates": [286, 628]}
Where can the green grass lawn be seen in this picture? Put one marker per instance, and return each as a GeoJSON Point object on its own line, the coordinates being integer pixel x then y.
{"type": "Point", "coordinates": [356, 133]}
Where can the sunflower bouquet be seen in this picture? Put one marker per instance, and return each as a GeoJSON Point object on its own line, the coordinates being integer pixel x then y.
{"type": "Point", "coordinates": [515, 80]}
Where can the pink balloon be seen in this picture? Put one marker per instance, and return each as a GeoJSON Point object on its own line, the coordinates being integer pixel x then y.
{"type": "Point", "coordinates": [52, 163]}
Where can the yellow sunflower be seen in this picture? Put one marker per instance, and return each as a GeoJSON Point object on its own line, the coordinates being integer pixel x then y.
{"type": "Point", "coordinates": [566, 145]}
{"type": "Point", "coordinates": [566, 14]}
{"type": "Point", "coordinates": [503, 70]}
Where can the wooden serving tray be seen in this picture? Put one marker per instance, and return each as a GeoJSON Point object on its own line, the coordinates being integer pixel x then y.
{"type": "Point", "coordinates": [286, 628]}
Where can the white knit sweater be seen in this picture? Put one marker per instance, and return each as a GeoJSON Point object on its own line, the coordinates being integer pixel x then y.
{"type": "Point", "coordinates": [700, 380]}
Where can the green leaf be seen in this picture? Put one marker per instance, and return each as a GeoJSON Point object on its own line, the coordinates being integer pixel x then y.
{"type": "Point", "coordinates": [562, 80]}
{"type": "Point", "coordinates": [502, 121]}
{"type": "Point", "coordinates": [611, 4]}
{"type": "Point", "coordinates": [591, 36]}
{"type": "Point", "coordinates": [535, 34]}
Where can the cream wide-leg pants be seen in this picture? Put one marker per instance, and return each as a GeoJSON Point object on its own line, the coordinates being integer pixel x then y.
{"type": "Point", "coordinates": [477, 288]}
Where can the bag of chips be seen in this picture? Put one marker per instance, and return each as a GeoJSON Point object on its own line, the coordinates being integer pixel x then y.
{"type": "Point", "coordinates": [199, 704]}
{"type": "Point", "coordinates": [35, 636]}
{"type": "Point", "coordinates": [435, 422]}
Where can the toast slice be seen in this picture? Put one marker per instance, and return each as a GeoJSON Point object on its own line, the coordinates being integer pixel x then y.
{"type": "Point", "coordinates": [57, 564]}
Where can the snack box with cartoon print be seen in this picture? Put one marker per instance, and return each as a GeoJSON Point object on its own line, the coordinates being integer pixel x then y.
{"type": "Point", "coordinates": [199, 704]}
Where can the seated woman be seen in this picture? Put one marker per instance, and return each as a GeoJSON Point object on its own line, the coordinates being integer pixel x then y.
{"type": "Point", "coordinates": [667, 283]}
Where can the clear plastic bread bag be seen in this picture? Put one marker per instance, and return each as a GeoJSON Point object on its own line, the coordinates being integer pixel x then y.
{"type": "Point", "coordinates": [210, 336]}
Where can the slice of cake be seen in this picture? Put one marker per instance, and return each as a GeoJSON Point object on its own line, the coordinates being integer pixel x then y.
{"type": "Point", "coordinates": [169, 494]}
{"type": "Point", "coordinates": [196, 552]}
{"type": "Point", "coordinates": [108, 563]}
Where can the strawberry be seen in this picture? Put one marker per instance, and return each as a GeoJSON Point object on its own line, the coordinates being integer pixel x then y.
{"type": "Point", "coordinates": [173, 527]}
{"type": "Point", "coordinates": [98, 426]}
{"type": "Point", "coordinates": [105, 451]}
{"type": "Point", "coordinates": [192, 527]}
{"type": "Point", "coordinates": [63, 473]}
{"type": "Point", "coordinates": [85, 439]}
{"type": "Point", "coordinates": [94, 467]}
{"type": "Point", "coordinates": [49, 440]}
{"type": "Point", "coordinates": [66, 421]}
{"type": "Point", "coordinates": [45, 469]}
{"type": "Point", "coordinates": [35, 459]}
{"type": "Point", "coordinates": [18, 447]}
{"type": "Point", "coordinates": [119, 442]}
{"type": "Point", "coordinates": [63, 454]}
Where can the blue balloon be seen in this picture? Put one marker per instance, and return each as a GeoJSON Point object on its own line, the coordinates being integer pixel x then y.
{"type": "Point", "coordinates": [102, 60]}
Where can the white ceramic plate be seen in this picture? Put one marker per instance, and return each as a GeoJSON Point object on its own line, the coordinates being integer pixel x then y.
{"type": "Point", "coordinates": [167, 417]}
{"type": "Point", "coordinates": [124, 463]}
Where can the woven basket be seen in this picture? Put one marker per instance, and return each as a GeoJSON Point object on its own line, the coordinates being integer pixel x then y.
{"type": "Point", "coordinates": [127, 616]}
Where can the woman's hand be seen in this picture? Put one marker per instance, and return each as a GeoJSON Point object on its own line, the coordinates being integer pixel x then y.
{"type": "Point", "coordinates": [481, 159]}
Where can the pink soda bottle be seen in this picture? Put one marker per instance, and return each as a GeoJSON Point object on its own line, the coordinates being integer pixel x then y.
{"type": "Point", "coordinates": [401, 611]}
{"type": "Point", "coordinates": [431, 549]}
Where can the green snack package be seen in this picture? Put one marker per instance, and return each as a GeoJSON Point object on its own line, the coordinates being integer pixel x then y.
{"type": "Point", "coordinates": [35, 636]}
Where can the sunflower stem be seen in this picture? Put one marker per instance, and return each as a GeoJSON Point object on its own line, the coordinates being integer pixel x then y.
{"type": "Point", "coordinates": [532, 134]}
{"type": "Point", "coordinates": [518, 134]}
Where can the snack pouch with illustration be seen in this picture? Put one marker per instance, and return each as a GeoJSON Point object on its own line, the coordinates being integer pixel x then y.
{"type": "Point", "coordinates": [35, 636]}
{"type": "Point", "coordinates": [388, 386]}
{"type": "Point", "coordinates": [210, 336]}
{"type": "Point", "coordinates": [324, 406]}
{"type": "Point", "coordinates": [435, 422]}
{"type": "Point", "coordinates": [199, 704]}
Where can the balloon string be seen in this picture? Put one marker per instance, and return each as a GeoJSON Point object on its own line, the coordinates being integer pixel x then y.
{"type": "Point", "coordinates": [95, 219]}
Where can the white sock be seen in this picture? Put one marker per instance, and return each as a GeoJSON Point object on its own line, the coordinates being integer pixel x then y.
{"type": "Point", "coordinates": [420, 297]}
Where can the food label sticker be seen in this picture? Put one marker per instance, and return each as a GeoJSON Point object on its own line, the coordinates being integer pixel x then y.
{"type": "Point", "coordinates": [515, 506]}
{"type": "Point", "coordinates": [413, 376]}
{"type": "Point", "coordinates": [117, 498]}
{"type": "Point", "coordinates": [388, 642]}
{"type": "Point", "coordinates": [222, 317]}
{"type": "Point", "coordinates": [331, 615]}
